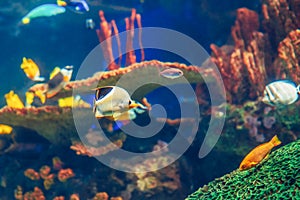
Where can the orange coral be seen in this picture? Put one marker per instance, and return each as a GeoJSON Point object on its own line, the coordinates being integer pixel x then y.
{"type": "Point", "coordinates": [96, 151]}
{"type": "Point", "coordinates": [105, 34]}
{"type": "Point", "coordinates": [74, 197]}
{"type": "Point", "coordinates": [101, 196]}
{"type": "Point", "coordinates": [65, 174]}
{"type": "Point", "coordinates": [32, 174]}
{"type": "Point", "coordinates": [280, 18]}
{"type": "Point", "coordinates": [245, 24]}
{"type": "Point", "coordinates": [37, 193]}
{"type": "Point", "coordinates": [289, 57]}
{"type": "Point", "coordinates": [116, 198]}
{"type": "Point", "coordinates": [59, 198]}
{"type": "Point", "coordinates": [243, 67]}
{"type": "Point", "coordinates": [130, 55]}
{"type": "Point", "coordinates": [18, 193]}
{"type": "Point", "coordinates": [48, 181]}
{"type": "Point", "coordinates": [44, 171]}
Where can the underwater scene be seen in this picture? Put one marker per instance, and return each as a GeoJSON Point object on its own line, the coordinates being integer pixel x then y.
{"type": "Point", "coordinates": [149, 99]}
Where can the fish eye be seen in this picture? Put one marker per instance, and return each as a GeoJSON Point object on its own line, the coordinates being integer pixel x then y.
{"type": "Point", "coordinates": [129, 102]}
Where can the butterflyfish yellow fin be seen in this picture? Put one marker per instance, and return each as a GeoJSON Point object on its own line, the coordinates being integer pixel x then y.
{"type": "Point", "coordinates": [66, 102]}
{"type": "Point", "coordinates": [29, 98]}
{"type": "Point", "coordinates": [13, 100]}
{"type": "Point", "coordinates": [41, 96]}
{"type": "Point", "coordinates": [5, 129]}
{"type": "Point", "coordinates": [55, 71]}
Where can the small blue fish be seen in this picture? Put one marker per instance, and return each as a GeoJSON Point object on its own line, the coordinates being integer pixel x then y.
{"type": "Point", "coordinates": [77, 6]}
{"type": "Point", "coordinates": [281, 93]}
{"type": "Point", "coordinates": [45, 10]}
{"type": "Point", "coordinates": [89, 24]}
{"type": "Point", "coordinates": [171, 73]}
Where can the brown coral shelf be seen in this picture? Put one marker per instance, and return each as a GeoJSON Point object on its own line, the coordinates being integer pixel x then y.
{"type": "Point", "coordinates": [136, 75]}
{"type": "Point", "coordinates": [54, 123]}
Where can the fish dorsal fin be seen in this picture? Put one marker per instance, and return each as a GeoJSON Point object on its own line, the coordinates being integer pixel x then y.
{"type": "Point", "coordinates": [102, 92]}
{"type": "Point", "coordinates": [55, 71]}
{"type": "Point", "coordinates": [288, 82]}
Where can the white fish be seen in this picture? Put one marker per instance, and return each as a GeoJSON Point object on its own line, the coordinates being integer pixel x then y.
{"type": "Point", "coordinates": [171, 73]}
{"type": "Point", "coordinates": [281, 93]}
{"type": "Point", "coordinates": [115, 103]}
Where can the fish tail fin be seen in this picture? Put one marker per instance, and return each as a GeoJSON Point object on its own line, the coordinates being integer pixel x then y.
{"type": "Point", "coordinates": [39, 79]}
{"type": "Point", "coordinates": [275, 141]}
{"type": "Point", "coordinates": [61, 3]}
{"type": "Point", "coordinates": [26, 20]}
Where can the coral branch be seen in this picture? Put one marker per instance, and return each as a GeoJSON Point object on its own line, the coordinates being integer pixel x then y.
{"type": "Point", "coordinates": [130, 55]}
{"type": "Point", "coordinates": [105, 33]}
{"type": "Point", "coordinates": [289, 57]}
{"type": "Point", "coordinates": [243, 67]}
{"type": "Point", "coordinates": [280, 18]}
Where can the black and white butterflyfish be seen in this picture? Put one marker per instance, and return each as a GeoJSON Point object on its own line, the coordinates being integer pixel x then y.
{"type": "Point", "coordinates": [281, 93]}
{"type": "Point", "coordinates": [115, 103]}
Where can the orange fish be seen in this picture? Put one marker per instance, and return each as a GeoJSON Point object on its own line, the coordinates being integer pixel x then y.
{"type": "Point", "coordinates": [259, 153]}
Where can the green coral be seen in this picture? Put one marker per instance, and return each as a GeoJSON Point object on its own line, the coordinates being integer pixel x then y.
{"type": "Point", "coordinates": [277, 177]}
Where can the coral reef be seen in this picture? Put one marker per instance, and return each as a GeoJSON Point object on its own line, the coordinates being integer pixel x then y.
{"type": "Point", "coordinates": [280, 18]}
{"type": "Point", "coordinates": [60, 126]}
{"type": "Point", "coordinates": [277, 177]}
{"type": "Point", "coordinates": [243, 66]}
{"type": "Point", "coordinates": [288, 63]}
{"type": "Point", "coordinates": [247, 66]}
{"type": "Point", "coordinates": [54, 123]}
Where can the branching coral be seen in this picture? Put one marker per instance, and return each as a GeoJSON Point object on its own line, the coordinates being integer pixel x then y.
{"type": "Point", "coordinates": [252, 62]}
{"type": "Point", "coordinates": [280, 18]}
{"type": "Point", "coordinates": [243, 66]}
{"type": "Point", "coordinates": [288, 61]}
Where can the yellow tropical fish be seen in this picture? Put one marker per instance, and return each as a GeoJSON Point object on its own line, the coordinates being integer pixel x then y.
{"type": "Point", "coordinates": [71, 101]}
{"type": "Point", "coordinates": [58, 79]}
{"type": "Point", "coordinates": [259, 153]}
{"type": "Point", "coordinates": [31, 69]}
{"type": "Point", "coordinates": [54, 72]}
{"type": "Point", "coordinates": [5, 129]}
{"type": "Point", "coordinates": [13, 100]}
{"type": "Point", "coordinates": [41, 95]}
{"type": "Point", "coordinates": [29, 98]}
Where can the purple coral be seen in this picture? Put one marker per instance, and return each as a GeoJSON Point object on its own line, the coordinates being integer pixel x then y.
{"type": "Point", "coordinates": [269, 121]}
{"type": "Point", "coordinates": [252, 123]}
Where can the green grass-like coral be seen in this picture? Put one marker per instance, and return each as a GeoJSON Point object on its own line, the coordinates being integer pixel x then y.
{"type": "Point", "coordinates": [277, 177]}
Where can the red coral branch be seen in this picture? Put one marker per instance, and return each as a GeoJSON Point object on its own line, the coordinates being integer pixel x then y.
{"type": "Point", "coordinates": [104, 34]}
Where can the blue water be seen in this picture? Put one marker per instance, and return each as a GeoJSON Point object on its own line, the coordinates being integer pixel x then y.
{"type": "Point", "coordinates": [64, 40]}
